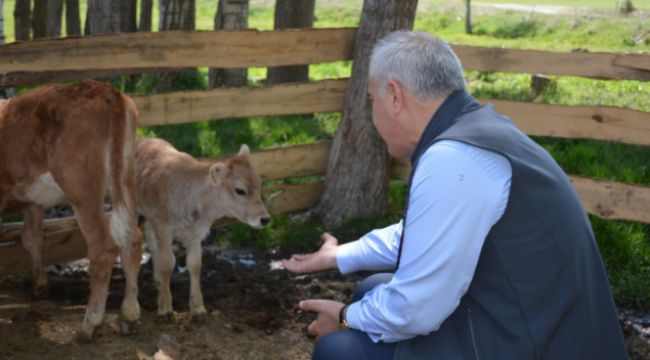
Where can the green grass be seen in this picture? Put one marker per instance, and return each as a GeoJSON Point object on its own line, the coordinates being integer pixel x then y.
{"type": "Point", "coordinates": [590, 4]}
{"type": "Point", "coordinates": [625, 246]}
{"type": "Point", "coordinates": [521, 30]}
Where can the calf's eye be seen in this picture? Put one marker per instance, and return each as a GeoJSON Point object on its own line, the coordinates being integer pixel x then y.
{"type": "Point", "coordinates": [240, 191]}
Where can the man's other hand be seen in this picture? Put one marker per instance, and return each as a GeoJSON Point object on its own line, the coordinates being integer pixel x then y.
{"type": "Point", "coordinates": [327, 320]}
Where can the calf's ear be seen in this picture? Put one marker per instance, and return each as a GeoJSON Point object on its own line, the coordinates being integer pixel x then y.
{"type": "Point", "coordinates": [244, 150]}
{"type": "Point", "coordinates": [217, 173]}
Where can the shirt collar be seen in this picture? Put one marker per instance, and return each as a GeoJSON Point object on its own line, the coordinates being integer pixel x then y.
{"type": "Point", "coordinates": [442, 119]}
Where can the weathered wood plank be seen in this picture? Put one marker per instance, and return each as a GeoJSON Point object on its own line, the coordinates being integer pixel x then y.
{"type": "Point", "coordinates": [13, 230]}
{"type": "Point", "coordinates": [285, 99]}
{"type": "Point", "coordinates": [578, 122]}
{"type": "Point", "coordinates": [613, 200]}
{"type": "Point", "coordinates": [291, 161]}
{"type": "Point", "coordinates": [289, 198]}
{"type": "Point", "coordinates": [22, 78]}
{"type": "Point", "coordinates": [587, 64]}
{"type": "Point", "coordinates": [180, 49]}
{"type": "Point", "coordinates": [594, 122]}
{"type": "Point", "coordinates": [126, 53]}
{"type": "Point", "coordinates": [58, 247]}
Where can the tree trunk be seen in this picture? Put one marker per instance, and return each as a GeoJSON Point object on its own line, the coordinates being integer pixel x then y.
{"type": "Point", "coordinates": [175, 15]}
{"type": "Point", "coordinates": [468, 16]}
{"type": "Point", "coordinates": [626, 7]}
{"type": "Point", "coordinates": [291, 14]}
{"type": "Point", "coordinates": [146, 9]}
{"type": "Point", "coordinates": [128, 9]}
{"type": "Point", "coordinates": [22, 20]}
{"type": "Point", "coordinates": [9, 92]}
{"type": "Point", "coordinates": [356, 181]}
{"type": "Point", "coordinates": [103, 17]}
{"type": "Point", "coordinates": [72, 18]}
{"type": "Point", "coordinates": [2, 25]}
{"type": "Point", "coordinates": [39, 19]}
{"type": "Point", "coordinates": [54, 15]}
{"type": "Point", "coordinates": [230, 15]}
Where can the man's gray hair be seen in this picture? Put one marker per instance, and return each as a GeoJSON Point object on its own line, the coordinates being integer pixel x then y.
{"type": "Point", "coordinates": [424, 64]}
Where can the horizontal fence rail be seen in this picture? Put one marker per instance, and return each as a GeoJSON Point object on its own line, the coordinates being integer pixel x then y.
{"type": "Point", "coordinates": [63, 241]}
{"type": "Point", "coordinates": [75, 58]}
{"type": "Point", "coordinates": [223, 103]}
{"type": "Point", "coordinates": [180, 49]}
{"type": "Point", "coordinates": [574, 122]}
{"type": "Point", "coordinates": [593, 65]}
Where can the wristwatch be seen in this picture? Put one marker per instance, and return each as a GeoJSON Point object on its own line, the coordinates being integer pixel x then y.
{"type": "Point", "coordinates": [343, 322]}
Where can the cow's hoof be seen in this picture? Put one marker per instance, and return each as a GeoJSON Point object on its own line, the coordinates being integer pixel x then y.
{"type": "Point", "coordinates": [128, 327]}
{"type": "Point", "coordinates": [167, 318]}
{"type": "Point", "coordinates": [84, 336]}
{"type": "Point", "coordinates": [40, 293]}
{"type": "Point", "coordinates": [200, 318]}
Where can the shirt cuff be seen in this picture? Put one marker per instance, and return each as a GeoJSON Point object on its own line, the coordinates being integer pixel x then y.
{"type": "Point", "coordinates": [346, 256]}
{"type": "Point", "coordinates": [353, 316]}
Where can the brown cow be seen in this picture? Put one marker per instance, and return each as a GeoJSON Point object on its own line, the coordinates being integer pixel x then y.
{"type": "Point", "coordinates": [72, 143]}
{"type": "Point", "coordinates": [180, 198]}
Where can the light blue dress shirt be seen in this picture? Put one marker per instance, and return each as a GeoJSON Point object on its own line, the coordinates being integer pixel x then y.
{"type": "Point", "coordinates": [458, 193]}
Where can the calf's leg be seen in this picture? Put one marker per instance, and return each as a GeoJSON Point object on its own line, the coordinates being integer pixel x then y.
{"type": "Point", "coordinates": [193, 260]}
{"type": "Point", "coordinates": [160, 239]}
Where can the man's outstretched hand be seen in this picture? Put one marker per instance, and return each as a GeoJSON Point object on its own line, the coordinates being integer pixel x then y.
{"type": "Point", "coordinates": [323, 259]}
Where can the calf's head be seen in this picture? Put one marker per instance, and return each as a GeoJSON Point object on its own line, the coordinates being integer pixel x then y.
{"type": "Point", "coordinates": [241, 189]}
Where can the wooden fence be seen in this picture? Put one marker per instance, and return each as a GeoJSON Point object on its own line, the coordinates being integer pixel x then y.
{"type": "Point", "coordinates": [58, 59]}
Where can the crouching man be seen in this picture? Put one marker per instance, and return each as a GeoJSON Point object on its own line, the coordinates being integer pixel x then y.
{"type": "Point", "coordinates": [495, 257]}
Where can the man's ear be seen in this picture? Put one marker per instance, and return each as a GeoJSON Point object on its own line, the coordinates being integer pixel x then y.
{"type": "Point", "coordinates": [217, 173]}
{"type": "Point", "coordinates": [244, 150]}
{"type": "Point", "coordinates": [395, 92]}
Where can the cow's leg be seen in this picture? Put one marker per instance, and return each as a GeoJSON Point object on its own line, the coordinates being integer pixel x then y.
{"type": "Point", "coordinates": [81, 176]}
{"type": "Point", "coordinates": [193, 260]}
{"type": "Point", "coordinates": [159, 238]}
{"type": "Point", "coordinates": [130, 257]}
{"type": "Point", "coordinates": [33, 243]}
{"type": "Point", "coordinates": [102, 252]}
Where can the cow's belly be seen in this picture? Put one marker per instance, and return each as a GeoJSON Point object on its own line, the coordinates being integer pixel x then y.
{"type": "Point", "coordinates": [45, 191]}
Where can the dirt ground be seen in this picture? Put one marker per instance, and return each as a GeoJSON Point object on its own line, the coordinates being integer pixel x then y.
{"type": "Point", "coordinates": [253, 314]}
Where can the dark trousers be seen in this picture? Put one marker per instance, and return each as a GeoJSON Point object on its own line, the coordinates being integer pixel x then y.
{"type": "Point", "coordinates": [353, 344]}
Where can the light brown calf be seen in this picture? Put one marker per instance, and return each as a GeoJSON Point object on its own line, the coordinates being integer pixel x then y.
{"type": "Point", "coordinates": [71, 144]}
{"type": "Point", "coordinates": [180, 198]}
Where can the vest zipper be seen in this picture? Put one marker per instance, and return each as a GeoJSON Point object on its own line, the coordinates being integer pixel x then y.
{"type": "Point", "coordinates": [471, 330]}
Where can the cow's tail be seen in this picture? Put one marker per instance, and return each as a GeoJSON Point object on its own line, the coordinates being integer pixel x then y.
{"type": "Point", "coordinates": [122, 176]}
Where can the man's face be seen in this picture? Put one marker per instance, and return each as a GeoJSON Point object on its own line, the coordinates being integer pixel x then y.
{"type": "Point", "coordinates": [385, 120]}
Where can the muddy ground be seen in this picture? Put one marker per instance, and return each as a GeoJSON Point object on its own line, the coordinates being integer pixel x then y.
{"type": "Point", "coordinates": [253, 314]}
